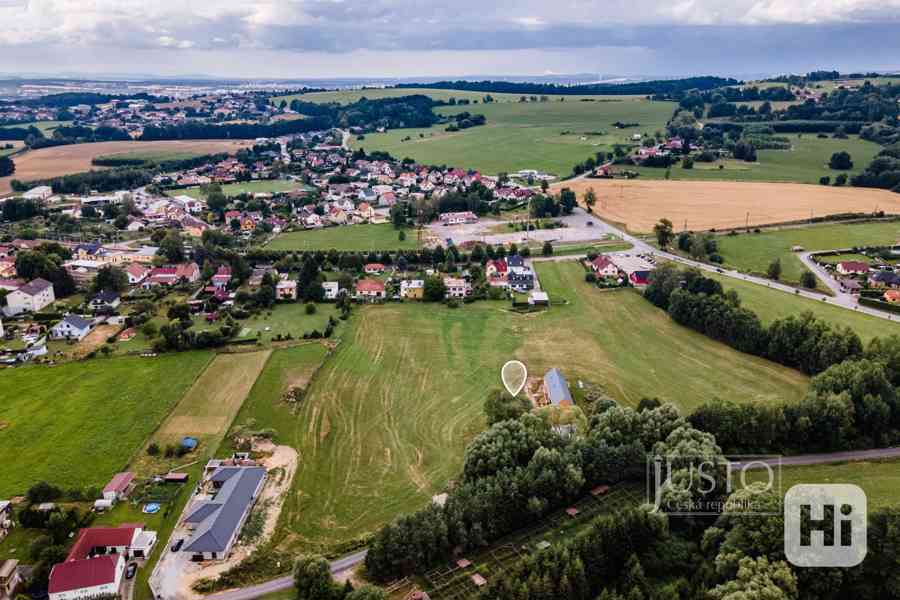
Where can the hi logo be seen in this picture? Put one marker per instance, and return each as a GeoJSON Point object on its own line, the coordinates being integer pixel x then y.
{"type": "Point", "coordinates": [825, 525]}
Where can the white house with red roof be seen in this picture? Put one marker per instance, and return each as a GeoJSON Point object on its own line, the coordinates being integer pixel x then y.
{"type": "Point", "coordinates": [604, 267]}
{"type": "Point", "coordinates": [222, 277]}
{"type": "Point", "coordinates": [118, 486]}
{"type": "Point", "coordinates": [370, 289]}
{"type": "Point", "coordinates": [373, 268]}
{"type": "Point", "coordinates": [852, 267]}
{"type": "Point", "coordinates": [495, 268]}
{"type": "Point", "coordinates": [96, 563]}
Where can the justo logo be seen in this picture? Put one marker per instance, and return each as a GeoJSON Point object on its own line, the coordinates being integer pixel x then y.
{"type": "Point", "coordinates": [825, 525]}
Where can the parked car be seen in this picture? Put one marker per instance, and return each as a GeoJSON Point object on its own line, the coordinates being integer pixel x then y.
{"type": "Point", "coordinates": [590, 223]}
{"type": "Point", "coordinates": [131, 570]}
{"type": "Point", "coordinates": [177, 544]}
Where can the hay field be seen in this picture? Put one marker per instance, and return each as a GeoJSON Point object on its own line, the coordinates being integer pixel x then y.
{"type": "Point", "coordinates": [386, 419]}
{"type": "Point", "coordinates": [76, 158]}
{"type": "Point", "coordinates": [638, 205]}
{"type": "Point", "coordinates": [208, 408]}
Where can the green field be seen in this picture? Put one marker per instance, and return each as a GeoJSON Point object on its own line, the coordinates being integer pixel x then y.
{"type": "Point", "coordinates": [771, 304]}
{"type": "Point", "coordinates": [46, 127]}
{"type": "Point", "coordinates": [76, 424]}
{"type": "Point", "coordinates": [752, 252]}
{"type": "Point", "coordinates": [346, 237]}
{"type": "Point", "coordinates": [16, 145]}
{"type": "Point", "coordinates": [350, 96]}
{"type": "Point", "coordinates": [281, 319]}
{"type": "Point", "coordinates": [150, 156]}
{"type": "Point", "coordinates": [806, 162]}
{"type": "Point", "coordinates": [269, 186]}
{"type": "Point", "coordinates": [879, 479]}
{"type": "Point", "coordinates": [385, 421]}
{"type": "Point", "coordinates": [548, 136]}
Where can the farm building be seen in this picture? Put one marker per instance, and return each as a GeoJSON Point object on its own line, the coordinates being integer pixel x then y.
{"type": "Point", "coordinates": [216, 523]}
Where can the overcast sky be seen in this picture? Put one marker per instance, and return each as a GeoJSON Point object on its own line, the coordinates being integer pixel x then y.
{"type": "Point", "coordinates": [409, 38]}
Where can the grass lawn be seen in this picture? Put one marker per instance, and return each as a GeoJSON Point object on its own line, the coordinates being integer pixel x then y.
{"type": "Point", "coordinates": [206, 411]}
{"type": "Point", "coordinates": [358, 238]}
{"type": "Point", "coordinates": [269, 186]}
{"type": "Point", "coordinates": [772, 304]}
{"type": "Point", "coordinates": [385, 421]}
{"type": "Point", "coordinates": [281, 319]}
{"type": "Point", "coordinates": [806, 162]}
{"type": "Point", "coordinates": [619, 340]}
{"type": "Point", "coordinates": [76, 424]}
{"type": "Point", "coordinates": [549, 136]}
{"type": "Point", "coordinates": [879, 479]}
{"type": "Point", "coordinates": [752, 252]}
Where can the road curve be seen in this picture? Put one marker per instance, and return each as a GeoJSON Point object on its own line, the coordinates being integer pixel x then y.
{"type": "Point", "coordinates": [283, 583]}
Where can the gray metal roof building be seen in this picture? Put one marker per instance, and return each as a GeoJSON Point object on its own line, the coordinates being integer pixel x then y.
{"type": "Point", "coordinates": [219, 520]}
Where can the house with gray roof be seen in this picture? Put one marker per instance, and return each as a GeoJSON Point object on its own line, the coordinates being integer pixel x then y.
{"type": "Point", "coordinates": [72, 327]}
{"type": "Point", "coordinates": [216, 523]}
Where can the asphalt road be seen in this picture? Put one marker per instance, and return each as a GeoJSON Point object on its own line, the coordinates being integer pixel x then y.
{"type": "Point", "coordinates": [283, 583]}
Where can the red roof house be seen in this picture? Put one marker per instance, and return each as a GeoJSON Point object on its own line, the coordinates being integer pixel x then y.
{"type": "Point", "coordinates": [604, 267]}
{"type": "Point", "coordinates": [373, 268]}
{"type": "Point", "coordinates": [115, 489]}
{"type": "Point", "coordinates": [370, 288]}
{"type": "Point", "coordinates": [96, 576]}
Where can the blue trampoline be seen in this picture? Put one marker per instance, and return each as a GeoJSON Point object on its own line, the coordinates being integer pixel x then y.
{"type": "Point", "coordinates": [189, 442]}
{"type": "Point", "coordinates": [151, 508]}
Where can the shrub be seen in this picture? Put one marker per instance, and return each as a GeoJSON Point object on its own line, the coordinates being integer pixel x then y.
{"type": "Point", "coordinates": [153, 449]}
{"type": "Point", "coordinates": [310, 308]}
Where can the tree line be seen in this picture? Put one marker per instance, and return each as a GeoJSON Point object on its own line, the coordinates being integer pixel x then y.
{"type": "Point", "coordinates": [521, 469]}
{"type": "Point", "coordinates": [663, 87]}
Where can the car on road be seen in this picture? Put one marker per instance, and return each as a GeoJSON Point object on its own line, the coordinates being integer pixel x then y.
{"type": "Point", "coordinates": [590, 223]}
{"type": "Point", "coordinates": [177, 544]}
{"type": "Point", "coordinates": [131, 570]}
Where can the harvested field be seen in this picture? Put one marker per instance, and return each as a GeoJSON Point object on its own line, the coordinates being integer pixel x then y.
{"type": "Point", "coordinates": [76, 158]}
{"type": "Point", "coordinates": [721, 204]}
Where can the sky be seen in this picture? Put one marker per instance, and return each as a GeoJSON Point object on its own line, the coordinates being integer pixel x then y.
{"type": "Point", "coordinates": [420, 38]}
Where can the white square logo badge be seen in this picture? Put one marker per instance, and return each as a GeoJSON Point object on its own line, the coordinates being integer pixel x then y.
{"type": "Point", "coordinates": [825, 525]}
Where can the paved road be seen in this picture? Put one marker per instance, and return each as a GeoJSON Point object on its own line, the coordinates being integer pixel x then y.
{"type": "Point", "coordinates": [819, 459]}
{"type": "Point", "coordinates": [283, 583]}
{"type": "Point", "coordinates": [840, 299]}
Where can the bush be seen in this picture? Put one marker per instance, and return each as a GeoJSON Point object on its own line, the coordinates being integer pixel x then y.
{"type": "Point", "coordinates": [840, 161]}
{"type": "Point", "coordinates": [153, 449]}
{"type": "Point", "coordinates": [310, 308]}
{"type": "Point", "coordinates": [808, 280]}
{"type": "Point", "coordinates": [825, 180]}
{"type": "Point", "coordinates": [590, 277]}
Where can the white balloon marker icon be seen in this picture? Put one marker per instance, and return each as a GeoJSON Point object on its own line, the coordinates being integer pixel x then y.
{"type": "Point", "coordinates": [514, 375]}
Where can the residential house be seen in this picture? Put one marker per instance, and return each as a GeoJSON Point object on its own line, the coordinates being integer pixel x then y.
{"type": "Point", "coordinates": [495, 268]}
{"type": "Point", "coordinates": [96, 564]}
{"type": "Point", "coordinates": [519, 277]}
{"type": "Point", "coordinates": [31, 297]}
{"type": "Point", "coordinates": [412, 289]}
{"type": "Point", "coordinates": [136, 273]}
{"type": "Point", "coordinates": [216, 523]}
{"type": "Point", "coordinates": [892, 296]}
{"type": "Point", "coordinates": [72, 327]}
{"type": "Point", "coordinates": [636, 268]}
{"type": "Point", "coordinates": [878, 279]}
{"type": "Point", "coordinates": [222, 277]}
{"type": "Point", "coordinates": [556, 389]}
{"type": "Point", "coordinates": [365, 210]}
{"type": "Point", "coordinates": [286, 289]}
{"type": "Point", "coordinates": [9, 578]}
{"type": "Point", "coordinates": [332, 289]}
{"type": "Point", "coordinates": [457, 287]}
{"type": "Point", "coordinates": [852, 267]}
{"type": "Point", "coordinates": [373, 269]}
{"type": "Point", "coordinates": [458, 218]}
{"type": "Point", "coordinates": [370, 289]}
{"type": "Point", "coordinates": [41, 192]}
{"type": "Point", "coordinates": [172, 275]}
{"type": "Point", "coordinates": [105, 301]}
{"type": "Point", "coordinates": [604, 267]}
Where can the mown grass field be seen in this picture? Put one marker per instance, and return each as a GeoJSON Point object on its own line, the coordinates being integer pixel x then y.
{"type": "Point", "coordinates": [548, 136]}
{"type": "Point", "coordinates": [752, 252]}
{"type": "Point", "coordinates": [269, 186]}
{"type": "Point", "coordinates": [879, 479]}
{"type": "Point", "coordinates": [771, 304]}
{"type": "Point", "coordinates": [207, 409]}
{"type": "Point", "coordinates": [281, 319]}
{"type": "Point", "coordinates": [16, 146]}
{"type": "Point", "coordinates": [805, 162]}
{"type": "Point", "coordinates": [358, 238]}
{"type": "Point", "coordinates": [76, 424]}
{"type": "Point", "coordinates": [385, 421]}
{"type": "Point", "coordinates": [153, 156]}
{"type": "Point", "coordinates": [46, 127]}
